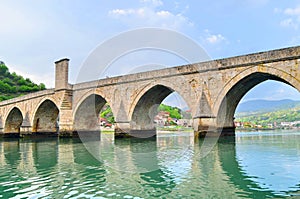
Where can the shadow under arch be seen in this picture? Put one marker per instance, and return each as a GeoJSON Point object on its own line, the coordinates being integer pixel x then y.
{"type": "Point", "coordinates": [142, 117]}
{"type": "Point", "coordinates": [86, 117]}
{"type": "Point", "coordinates": [46, 118]}
{"type": "Point", "coordinates": [229, 103]}
{"type": "Point", "coordinates": [13, 121]}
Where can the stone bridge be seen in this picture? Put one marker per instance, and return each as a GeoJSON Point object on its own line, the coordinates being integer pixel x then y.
{"type": "Point", "coordinates": [211, 89]}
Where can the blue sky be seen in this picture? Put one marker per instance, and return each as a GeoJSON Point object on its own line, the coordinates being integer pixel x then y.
{"type": "Point", "coordinates": [34, 34]}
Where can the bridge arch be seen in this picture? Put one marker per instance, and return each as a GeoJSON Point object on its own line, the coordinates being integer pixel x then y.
{"type": "Point", "coordinates": [233, 91]}
{"type": "Point", "coordinates": [86, 113]}
{"type": "Point", "coordinates": [13, 120]}
{"type": "Point", "coordinates": [145, 104]}
{"type": "Point", "coordinates": [46, 117]}
{"type": "Point", "coordinates": [169, 86]}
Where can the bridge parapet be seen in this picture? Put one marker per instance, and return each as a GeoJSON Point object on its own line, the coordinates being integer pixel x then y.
{"type": "Point", "coordinates": [219, 64]}
{"type": "Point", "coordinates": [27, 97]}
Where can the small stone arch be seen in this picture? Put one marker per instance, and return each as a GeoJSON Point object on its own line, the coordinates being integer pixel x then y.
{"type": "Point", "coordinates": [86, 95]}
{"type": "Point", "coordinates": [46, 117]}
{"type": "Point", "coordinates": [13, 120]}
{"type": "Point", "coordinates": [87, 112]}
{"type": "Point", "coordinates": [9, 110]}
{"type": "Point", "coordinates": [233, 91]}
{"type": "Point", "coordinates": [41, 101]}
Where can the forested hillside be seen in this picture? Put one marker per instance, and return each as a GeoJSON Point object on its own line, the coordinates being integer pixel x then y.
{"type": "Point", "coordinates": [264, 112]}
{"type": "Point", "coordinates": [13, 85]}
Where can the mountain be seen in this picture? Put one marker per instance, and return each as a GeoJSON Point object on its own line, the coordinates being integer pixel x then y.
{"type": "Point", "coordinates": [262, 106]}
{"type": "Point", "coordinates": [264, 112]}
{"type": "Point", "coordinates": [13, 85]}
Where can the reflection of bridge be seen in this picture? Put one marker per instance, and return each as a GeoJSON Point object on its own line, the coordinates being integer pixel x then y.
{"type": "Point", "coordinates": [211, 89]}
{"type": "Point", "coordinates": [218, 174]}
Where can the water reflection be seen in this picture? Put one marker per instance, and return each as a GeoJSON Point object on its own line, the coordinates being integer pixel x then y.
{"type": "Point", "coordinates": [45, 154]}
{"type": "Point", "coordinates": [11, 152]}
{"type": "Point", "coordinates": [173, 165]}
{"type": "Point", "coordinates": [265, 156]}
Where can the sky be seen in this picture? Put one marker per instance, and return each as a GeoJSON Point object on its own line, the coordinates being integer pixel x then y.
{"type": "Point", "coordinates": [34, 34]}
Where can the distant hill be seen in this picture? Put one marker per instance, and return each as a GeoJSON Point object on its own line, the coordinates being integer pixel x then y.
{"type": "Point", "coordinates": [266, 112]}
{"type": "Point", "coordinates": [263, 106]}
{"type": "Point", "coordinates": [13, 85]}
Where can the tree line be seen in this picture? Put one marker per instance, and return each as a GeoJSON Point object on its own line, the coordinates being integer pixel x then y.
{"type": "Point", "coordinates": [13, 85]}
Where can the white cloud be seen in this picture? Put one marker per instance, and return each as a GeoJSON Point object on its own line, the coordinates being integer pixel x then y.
{"type": "Point", "coordinates": [151, 16]}
{"type": "Point", "coordinates": [292, 17]}
{"type": "Point", "coordinates": [292, 11]}
{"type": "Point", "coordinates": [213, 38]}
{"type": "Point", "coordinates": [153, 2]}
{"type": "Point", "coordinates": [289, 23]}
{"type": "Point", "coordinates": [119, 12]}
{"type": "Point", "coordinates": [164, 13]}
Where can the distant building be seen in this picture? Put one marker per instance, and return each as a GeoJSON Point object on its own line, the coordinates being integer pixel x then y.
{"type": "Point", "coordinates": [238, 124]}
{"type": "Point", "coordinates": [290, 124]}
{"type": "Point", "coordinates": [161, 118]}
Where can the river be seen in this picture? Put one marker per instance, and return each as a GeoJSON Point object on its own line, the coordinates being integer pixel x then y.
{"type": "Point", "coordinates": [174, 165]}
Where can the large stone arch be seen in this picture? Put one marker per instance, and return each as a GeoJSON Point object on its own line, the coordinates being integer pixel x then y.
{"type": "Point", "coordinates": [233, 91]}
{"type": "Point", "coordinates": [46, 117]}
{"type": "Point", "coordinates": [86, 114]}
{"type": "Point", "coordinates": [170, 85]}
{"type": "Point", "coordinates": [144, 108]}
{"type": "Point", "coordinates": [13, 120]}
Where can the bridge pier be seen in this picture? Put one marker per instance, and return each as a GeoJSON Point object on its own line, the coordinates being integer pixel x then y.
{"type": "Point", "coordinates": [207, 126]}
{"type": "Point", "coordinates": [65, 126]}
{"type": "Point", "coordinates": [122, 129]}
{"type": "Point", "coordinates": [127, 130]}
{"type": "Point", "coordinates": [26, 127]}
{"type": "Point", "coordinates": [25, 130]}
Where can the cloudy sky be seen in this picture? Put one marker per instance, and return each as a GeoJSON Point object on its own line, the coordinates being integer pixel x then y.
{"type": "Point", "coordinates": [34, 34]}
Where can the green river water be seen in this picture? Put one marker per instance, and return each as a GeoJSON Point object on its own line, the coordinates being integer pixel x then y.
{"type": "Point", "coordinates": [173, 165]}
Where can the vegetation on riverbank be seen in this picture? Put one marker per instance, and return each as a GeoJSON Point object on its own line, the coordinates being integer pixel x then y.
{"type": "Point", "coordinates": [13, 85]}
